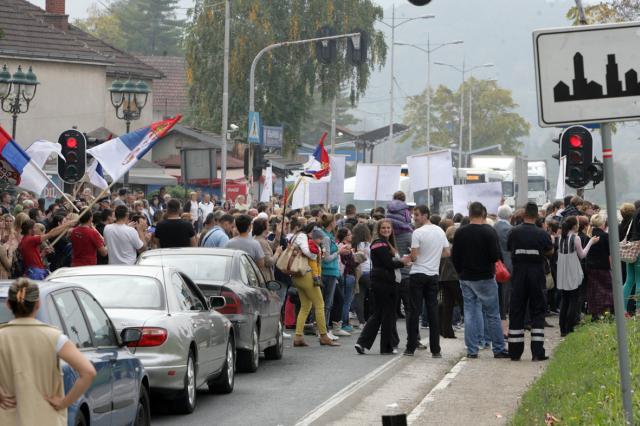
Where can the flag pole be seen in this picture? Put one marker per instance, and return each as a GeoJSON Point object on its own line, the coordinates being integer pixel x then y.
{"type": "Point", "coordinates": [57, 188]}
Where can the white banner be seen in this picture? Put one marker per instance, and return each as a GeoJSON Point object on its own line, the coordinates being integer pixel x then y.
{"type": "Point", "coordinates": [489, 194]}
{"type": "Point", "coordinates": [265, 195]}
{"type": "Point", "coordinates": [562, 175]}
{"type": "Point", "coordinates": [432, 170]}
{"type": "Point", "coordinates": [376, 182]}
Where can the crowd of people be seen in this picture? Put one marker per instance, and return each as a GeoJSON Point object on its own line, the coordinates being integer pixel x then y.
{"type": "Point", "coordinates": [363, 270]}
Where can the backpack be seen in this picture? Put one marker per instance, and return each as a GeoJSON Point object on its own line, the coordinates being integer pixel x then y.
{"type": "Point", "coordinates": [17, 265]}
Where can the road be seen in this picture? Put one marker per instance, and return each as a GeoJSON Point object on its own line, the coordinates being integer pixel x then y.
{"type": "Point", "coordinates": [282, 392]}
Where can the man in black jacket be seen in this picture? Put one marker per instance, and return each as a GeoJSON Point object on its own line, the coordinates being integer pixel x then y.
{"type": "Point", "coordinates": [475, 253]}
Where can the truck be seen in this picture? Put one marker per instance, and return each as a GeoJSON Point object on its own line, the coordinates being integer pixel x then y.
{"type": "Point", "coordinates": [538, 182]}
{"type": "Point", "coordinates": [503, 165]}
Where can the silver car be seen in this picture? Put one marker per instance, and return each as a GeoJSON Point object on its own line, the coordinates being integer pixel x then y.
{"type": "Point", "coordinates": [185, 343]}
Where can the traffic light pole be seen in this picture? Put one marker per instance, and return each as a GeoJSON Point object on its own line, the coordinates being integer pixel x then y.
{"type": "Point", "coordinates": [618, 297]}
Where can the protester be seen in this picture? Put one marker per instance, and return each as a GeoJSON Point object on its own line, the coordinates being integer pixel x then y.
{"type": "Point", "coordinates": [600, 293]}
{"type": "Point", "coordinates": [330, 264]}
{"type": "Point", "coordinates": [125, 240]}
{"type": "Point", "coordinates": [450, 287]}
{"type": "Point", "coordinates": [348, 266]}
{"type": "Point", "coordinates": [503, 227]}
{"type": "Point", "coordinates": [218, 236]}
{"type": "Point", "coordinates": [475, 252]}
{"type": "Point", "coordinates": [241, 204]}
{"type": "Point", "coordinates": [86, 242]}
{"type": "Point", "coordinates": [62, 249]}
{"type": "Point", "coordinates": [31, 385]}
{"type": "Point", "coordinates": [632, 283]}
{"type": "Point", "coordinates": [528, 246]}
{"type": "Point", "coordinates": [361, 241]}
{"type": "Point", "coordinates": [383, 283]}
{"type": "Point", "coordinates": [428, 245]}
{"type": "Point", "coordinates": [259, 232]}
{"type": "Point", "coordinates": [174, 231]}
{"type": "Point", "coordinates": [244, 241]}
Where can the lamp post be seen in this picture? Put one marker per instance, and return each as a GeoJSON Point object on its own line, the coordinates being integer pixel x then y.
{"type": "Point", "coordinates": [463, 72]}
{"type": "Point", "coordinates": [128, 98]}
{"type": "Point", "coordinates": [16, 92]}
{"type": "Point", "coordinates": [393, 27]}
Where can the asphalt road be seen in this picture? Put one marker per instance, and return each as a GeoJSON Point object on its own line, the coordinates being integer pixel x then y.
{"type": "Point", "coordinates": [281, 392]}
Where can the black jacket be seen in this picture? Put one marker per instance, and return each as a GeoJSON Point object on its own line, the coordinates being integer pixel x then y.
{"type": "Point", "coordinates": [383, 264]}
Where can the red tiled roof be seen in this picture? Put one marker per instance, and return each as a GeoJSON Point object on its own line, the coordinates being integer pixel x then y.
{"type": "Point", "coordinates": [170, 93]}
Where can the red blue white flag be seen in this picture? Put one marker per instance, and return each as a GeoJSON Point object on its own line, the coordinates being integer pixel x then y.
{"type": "Point", "coordinates": [18, 168]}
{"type": "Point", "coordinates": [318, 165]}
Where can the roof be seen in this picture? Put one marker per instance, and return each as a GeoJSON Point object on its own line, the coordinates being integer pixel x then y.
{"type": "Point", "coordinates": [133, 270]}
{"type": "Point", "coordinates": [204, 136]}
{"type": "Point", "coordinates": [382, 132]}
{"type": "Point", "coordinates": [170, 93]}
{"type": "Point", "coordinates": [174, 162]}
{"type": "Point", "coordinates": [342, 129]}
{"type": "Point", "coordinates": [45, 287]}
{"type": "Point", "coordinates": [28, 34]}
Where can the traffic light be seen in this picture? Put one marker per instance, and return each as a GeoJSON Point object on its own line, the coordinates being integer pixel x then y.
{"type": "Point", "coordinates": [259, 162]}
{"type": "Point", "coordinates": [357, 48]}
{"type": "Point", "coordinates": [557, 140]}
{"type": "Point", "coordinates": [596, 171]}
{"type": "Point", "coordinates": [419, 2]}
{"type": "Point", "coordinates": [576, 144]}
{"type": "Point", "coordinates": [74, 151]}
{"type": "Point", "coordinates": [326, 50]}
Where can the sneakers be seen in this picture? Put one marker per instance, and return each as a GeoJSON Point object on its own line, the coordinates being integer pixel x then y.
{"type": "Point", "coordinates": [359, 349]}
{"type": "Point", "coordinates": [393, 352]}
{"type": "Point", "coordinates": [472, 356]}
{"type": "Point", "coordinates": [438, 355]}
{"type": "Point", "coordinates": [502, 355]}
{"type": "Point", "coordinates": [347, 328]}
{"type": "Point", "coordinates": [286, 335]}
{"type": "Point", "coordinates": [407, 352]}
{"type": "Point", "coordinates": [339, 331]}
{"type": "Point", "coordinates": [332, 336]}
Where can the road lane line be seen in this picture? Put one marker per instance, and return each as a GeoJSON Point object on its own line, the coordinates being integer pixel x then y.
{"type": "Point", "coordinates": [345, 393]}
{"type": "Point", "coordinates": [431, 396]}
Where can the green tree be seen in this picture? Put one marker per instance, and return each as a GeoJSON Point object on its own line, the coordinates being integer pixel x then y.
{"type": "Point", "coordinates": [493, 118]}
{"type": "Point", "coordinates": [608, 12]}
{"type": "Point", "coordinates": [103, 24]}
{"type": "Point", "coordinates": [320, 112]}
{"type": "Point", "coordinates": [286, 78]}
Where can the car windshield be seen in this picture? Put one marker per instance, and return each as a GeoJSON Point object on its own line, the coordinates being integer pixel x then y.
{"type": "Point", "coordinates": [536, 184]}
{"type": "Point", "coordinates": [121, 291]}
{"type": "Point", "coordinates": [202, 267]}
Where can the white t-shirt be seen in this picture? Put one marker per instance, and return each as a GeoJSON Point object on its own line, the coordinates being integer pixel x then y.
{"type": "Point", "coordinates": [430, 240]}
{"type": "Point", "coordinates": [205, 209]}
{"type": "Point", "coordinates": [123, 244]}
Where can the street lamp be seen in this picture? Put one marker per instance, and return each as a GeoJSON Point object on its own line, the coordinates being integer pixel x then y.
{"type": "Point", "coordinates": [17, 91]}
{"type": "Point", "coordinates": [463, 72]}
{"type": "Point", "coordinates": [128, 98]}
{"type": "Point", "coordinates": [393, 27]}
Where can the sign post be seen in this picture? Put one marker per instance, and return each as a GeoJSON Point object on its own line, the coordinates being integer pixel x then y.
{"type": "Point", "coordinates": [579, 72]}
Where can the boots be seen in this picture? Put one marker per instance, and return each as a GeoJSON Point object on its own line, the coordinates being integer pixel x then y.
{"type": "Point", "coordinates": [298, 342]}
{"type": "Point", "coordinates": [326, 341]}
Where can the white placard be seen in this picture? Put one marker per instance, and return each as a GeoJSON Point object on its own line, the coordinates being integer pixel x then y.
{"type": "Point", "coordinates": [376, 182]}
{"type": "Point", "coordinates": [265, 195]}
{"type": "Point", "coordinates": [587, 74]}
{"type": "Point", "coordinates": [489, 194]}
{"type": "Point", "coordinates": [432, 170]}
{"type": "Point", "coordinates": [561, 186]}
{"type": "Point", "coordinates": [336, 185]}
{"type": "Point", "coordinates": [300, 197]}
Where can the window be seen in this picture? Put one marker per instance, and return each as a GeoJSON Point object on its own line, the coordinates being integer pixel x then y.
{"type": "Point", "coordinates": [245, 264]}
{"type": "Point", "coordinates": [187, 301]}
{"type": "Point", "coordinates": [206, 267]}
{"type": "Point", "coordinates": [103, 335]}
{"type": "Point", "coordinates": [243, 273]}
{"type": "Point", "coordinates": [261, 280]}
{"type": "Point", "coordinates": [73, 320]}
{"type": "Point", "coordinates": [53, 314]}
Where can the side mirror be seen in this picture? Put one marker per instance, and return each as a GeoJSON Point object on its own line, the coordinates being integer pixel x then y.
{"type": "Point", "coordinates": [217, 302]}
{"type": "Point", "coordinates": [274, 285]}
{"type": "Point", "coordinates": [130, 335]}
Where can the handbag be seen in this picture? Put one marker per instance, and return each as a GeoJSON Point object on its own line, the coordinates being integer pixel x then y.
{"type": "Point", "coordinates": [502, 273]}
{"type": "Point", "coordinates": [629, 250]}
{"type": "Point", "coordinates": [292, 261]}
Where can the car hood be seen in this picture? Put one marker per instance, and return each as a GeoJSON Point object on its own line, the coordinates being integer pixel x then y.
{"type": "Point", "coordinates": [124, 318]}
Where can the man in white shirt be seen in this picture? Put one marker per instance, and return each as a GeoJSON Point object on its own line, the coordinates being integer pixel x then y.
{"type": "Point", "coordinates": [123, 239]}
{"type": "Point", "coordinates": [428, 245]}
{"type": "Point", "coordinates": [205, 207]}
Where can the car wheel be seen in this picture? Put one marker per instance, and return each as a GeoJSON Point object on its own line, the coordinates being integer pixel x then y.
{"type": "Point", "coordinates": [225, 381]}
{"type": "Point", "coordinates": [143, 413]}
{"type": "Point", "coordinates": [81, 420]}
{"type": "Point", "coordinates": [248, 361]}
{"type": "Point", "coordinates": [276, 351]}
{"type": "Point", "coordinates": [186, 401]}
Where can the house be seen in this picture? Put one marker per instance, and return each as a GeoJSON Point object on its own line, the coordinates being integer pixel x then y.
{"type": "Point", "coordinates": [75, 71]}
{"type": "Point", "coordinates": [170, 93]}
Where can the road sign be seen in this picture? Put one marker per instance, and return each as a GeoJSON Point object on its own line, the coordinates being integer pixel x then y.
{"type": "Point", "coordinates": [272, 136]}
{"type": "Point", "coordinates": [587, 74]}
{"type": "Point", "coordinates": [254, 127]}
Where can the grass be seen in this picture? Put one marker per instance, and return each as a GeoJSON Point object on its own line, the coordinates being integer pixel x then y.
{"type": "Point", "coordinates": [581, 385]}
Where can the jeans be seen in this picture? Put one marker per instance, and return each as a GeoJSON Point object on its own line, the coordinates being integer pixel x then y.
{"type": "Point", "coordinates": [481, 296]}
{"type": "Point", "coordinates": [349, 286]}
{"type": "Point", "coordinates": [328, 292]}
{"type": "Point", "coordinates": [632, 283]}
{"type": "Point", "coordinates": [423, 287]}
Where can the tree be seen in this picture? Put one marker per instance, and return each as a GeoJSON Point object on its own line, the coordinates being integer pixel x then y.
{"type": "Point", "coordinates": [320, 112]}
{"type": "Point", "coordinates": [286, 78]}
{"type": "Point", "coordinates": [608, 12]}
{"type": "Point", "coordinates": [493, 117]}
{"type": "Point", "coordinates": [146, 27]}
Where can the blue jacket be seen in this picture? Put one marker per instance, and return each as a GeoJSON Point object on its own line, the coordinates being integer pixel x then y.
{"type": "Point", "coordinates": [330, 261]}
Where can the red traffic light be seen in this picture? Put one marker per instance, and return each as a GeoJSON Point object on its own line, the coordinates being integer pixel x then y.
{"type": "Point", "coordinates": [72, 143]}
{"type": "Point", "coordinates": [575, 141]}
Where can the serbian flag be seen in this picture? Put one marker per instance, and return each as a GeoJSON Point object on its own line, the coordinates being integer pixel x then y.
{"type": "Point", "coordinates": [18, 168]}
{"type": "Point", "coordinates": [318, 165]}
{"type": "Point", "coordinates": [119, 155]}
{"type": "Point", "coordinates": [96, 176]}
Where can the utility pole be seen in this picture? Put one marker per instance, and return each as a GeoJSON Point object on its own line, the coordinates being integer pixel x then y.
{"type": "Point", "coordinates": [461, 114]}
{"type": "Point", "coordinates": [391, 83]}
{"type": "Point", "coordinates": [225, 101]}
{"type": "Point", "coordinates": [333, 126]}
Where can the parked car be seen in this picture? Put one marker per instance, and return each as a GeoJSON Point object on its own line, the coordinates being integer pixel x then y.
{"type": "Point", "coordinates": [185, 343]}
{"type": "Point", "coordinates": [119, 395]}
{"type": "Point", "coordinates": [252, 304]}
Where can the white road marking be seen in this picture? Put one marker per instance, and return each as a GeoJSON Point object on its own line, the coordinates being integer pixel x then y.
{"type": "Point", "coordinates": [345, 393]}
{"type": "Point", "coordinates": [431, 396]}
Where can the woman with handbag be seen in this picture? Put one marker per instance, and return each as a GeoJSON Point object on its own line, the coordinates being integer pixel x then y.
{"type": "Point", "coordinates": [309, 290]}
{"type": "Point", "coordinates": [383, 284]}
{"type": "Point", "coordinates": [599, 290]}
{"type": "Point", "coordinates": [570, 273]}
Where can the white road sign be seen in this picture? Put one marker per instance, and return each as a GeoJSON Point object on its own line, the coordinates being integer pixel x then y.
{"type": "Point", "coordinates": [587, 74]}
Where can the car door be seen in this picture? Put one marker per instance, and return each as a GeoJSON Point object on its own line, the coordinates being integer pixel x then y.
{"type": "Point", "coordinates": [271, 308]}
{"type": "Point", "coordinates": [99, 395]}
{"type": "Point", "coordinates": [259, 298]}
{"type": "Point", "coordinates": [191, 307]}
{"type": "Point", "coordinates": [123, 373]}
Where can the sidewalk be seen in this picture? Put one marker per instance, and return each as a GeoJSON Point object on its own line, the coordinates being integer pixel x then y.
{"type": "Point", "coordinates": [453, 390]}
